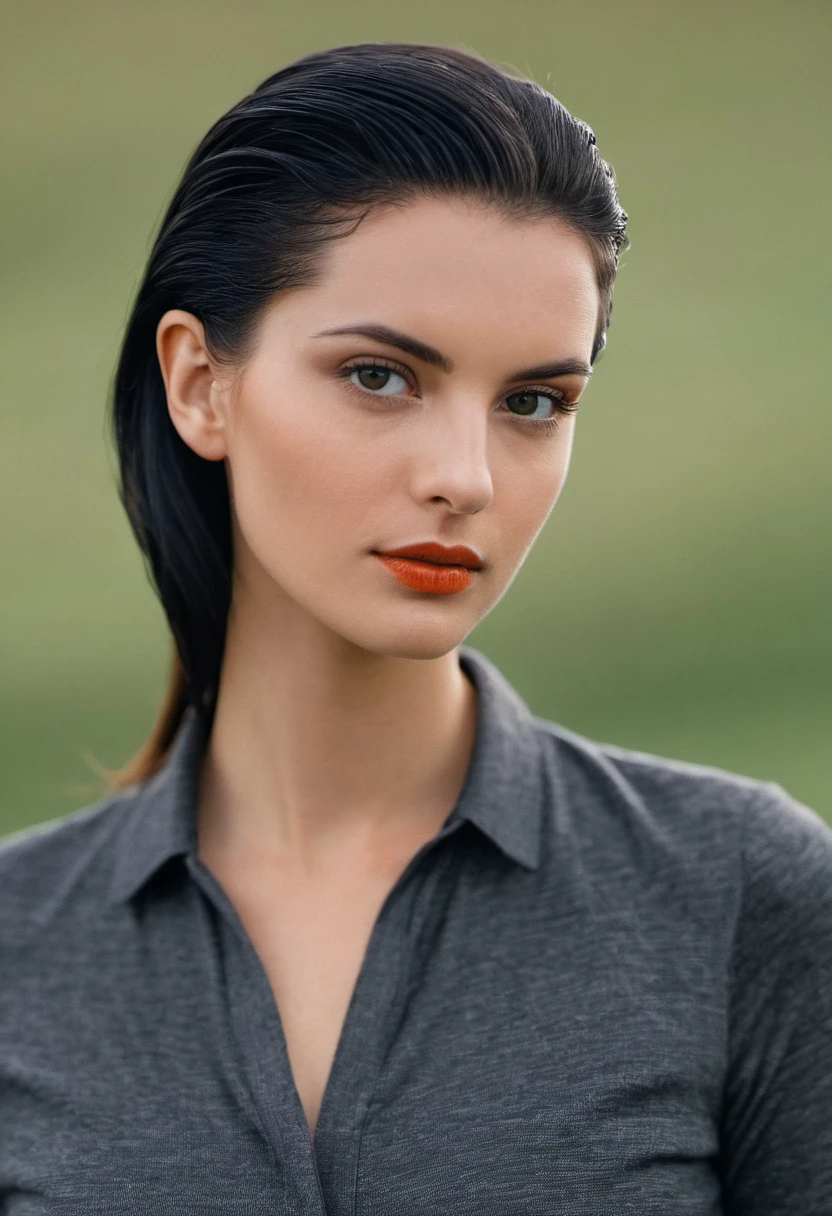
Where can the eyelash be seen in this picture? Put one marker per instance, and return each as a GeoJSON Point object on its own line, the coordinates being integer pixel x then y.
{"type": "Point", "coordinates": [541, 425]}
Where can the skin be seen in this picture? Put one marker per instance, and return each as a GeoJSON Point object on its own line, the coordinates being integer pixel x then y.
{"type": "Point", "coordinates": [344, 724]}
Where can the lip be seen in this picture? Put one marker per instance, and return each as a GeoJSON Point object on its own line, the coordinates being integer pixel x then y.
{"type": "Point", "coordinates": [429, 566]}
{"type": "Point", "coordinates": [441, 555]}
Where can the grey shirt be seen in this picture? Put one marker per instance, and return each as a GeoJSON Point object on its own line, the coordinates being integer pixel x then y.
{"type": "Point", "coordinates": [604, 986]}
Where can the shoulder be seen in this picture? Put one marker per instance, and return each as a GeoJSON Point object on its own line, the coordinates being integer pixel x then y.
{"type": "Point", "coordinates": [47, 868]}
{"type": "Point", "coordinates": [664, 784]}
{"type": "Point", "coordinates": [684, 791]}
{"type": "Point", "coordinates": [765, 848]}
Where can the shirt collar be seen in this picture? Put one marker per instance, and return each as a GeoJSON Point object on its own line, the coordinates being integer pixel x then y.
{"type": "Point", "coordinates": [161, 821]}
{"type": "Point", "coordinates": [504, 786]}
{"type": "Point", "coordinates": [502, 793]}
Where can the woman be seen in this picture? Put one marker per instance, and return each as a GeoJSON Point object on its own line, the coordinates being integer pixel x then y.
{"type": "Point", "coordinates": [358, 933]}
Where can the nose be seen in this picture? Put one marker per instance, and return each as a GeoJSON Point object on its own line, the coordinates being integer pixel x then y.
{"type": "Point", "coordinates": [451, 464]}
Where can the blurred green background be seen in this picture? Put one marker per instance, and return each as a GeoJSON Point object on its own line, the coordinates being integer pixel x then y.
{"type": "Point", "coordinates": [678, 599]}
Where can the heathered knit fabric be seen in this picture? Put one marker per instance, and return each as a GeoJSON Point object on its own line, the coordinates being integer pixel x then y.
{"type": "Point", "coordinates": [604, 987]}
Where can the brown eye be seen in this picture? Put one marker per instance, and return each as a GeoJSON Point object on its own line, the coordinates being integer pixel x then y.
{"type": "Point", "coordinates": [527, 402]}
{"type": "Point", "coordinates": [381, 380]}
{"type": "Point", "coordinates": [374, 377]}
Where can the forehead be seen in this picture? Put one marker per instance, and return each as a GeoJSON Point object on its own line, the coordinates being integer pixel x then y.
{"type": "Point", "coordinates": [458, 265]}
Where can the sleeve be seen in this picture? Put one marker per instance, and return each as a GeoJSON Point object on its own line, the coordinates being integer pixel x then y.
{"type": "Point", "coordinates": [776, 1134]}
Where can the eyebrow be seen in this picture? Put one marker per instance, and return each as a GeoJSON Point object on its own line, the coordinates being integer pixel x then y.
{"type": "Point", "coordinates": [429, 354]}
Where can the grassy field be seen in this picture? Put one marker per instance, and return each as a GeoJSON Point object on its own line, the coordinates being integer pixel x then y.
{"type": "Point", "coordinates": [678, 600]}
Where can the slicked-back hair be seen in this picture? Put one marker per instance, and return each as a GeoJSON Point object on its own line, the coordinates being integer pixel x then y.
{"type": "Point", "coordinates": [296, 163]}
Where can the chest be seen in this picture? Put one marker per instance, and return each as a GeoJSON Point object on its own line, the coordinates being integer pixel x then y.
{"type": "Point", "coordinates": [310, 934]}
{"type": "Point", "coordinates": [493, 1047]}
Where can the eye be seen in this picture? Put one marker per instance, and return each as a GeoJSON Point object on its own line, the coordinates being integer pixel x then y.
{"type": "Point", "coordinates": [380, 380]}
{"type": "Point", "coordinates": [527, 402]}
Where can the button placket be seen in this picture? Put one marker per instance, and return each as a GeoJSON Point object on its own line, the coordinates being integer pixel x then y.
{"type": "Point", "coordinates": [261, 1048]}
{"type": "Point", "coordinates": [319, 1178]}
{"type": "Point", "coordinates": [375, 1011]}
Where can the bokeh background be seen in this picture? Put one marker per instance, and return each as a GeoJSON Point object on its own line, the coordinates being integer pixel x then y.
{"type": "Point", "coordinates": [678, 599]}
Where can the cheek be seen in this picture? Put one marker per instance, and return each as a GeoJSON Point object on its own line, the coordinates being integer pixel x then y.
{"type": "Point", "coordinates": [294, 489]}
{"type": "Point", "coordinates": [532, 486]}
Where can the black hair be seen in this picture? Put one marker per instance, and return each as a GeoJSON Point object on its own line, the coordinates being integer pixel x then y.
{"type": "Point", "coordinates": [298, 162]}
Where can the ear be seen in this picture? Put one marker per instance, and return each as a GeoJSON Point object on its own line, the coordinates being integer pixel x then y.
{"type": "Point", "coordinates": [195, 399]}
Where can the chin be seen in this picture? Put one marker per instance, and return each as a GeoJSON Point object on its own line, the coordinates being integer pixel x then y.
{"type": "Point", "coordinates": [423, 637]}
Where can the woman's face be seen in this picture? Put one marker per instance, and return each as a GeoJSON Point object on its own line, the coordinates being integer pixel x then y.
{"type": "Point", "coordinates": [340, 444]}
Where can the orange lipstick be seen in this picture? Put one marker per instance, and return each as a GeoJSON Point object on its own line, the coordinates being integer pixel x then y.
{"type": "Point", "coordinates": [429, 566]}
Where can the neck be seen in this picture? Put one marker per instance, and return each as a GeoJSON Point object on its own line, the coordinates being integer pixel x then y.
{"type": "Point", "coordinates": [317, 743]}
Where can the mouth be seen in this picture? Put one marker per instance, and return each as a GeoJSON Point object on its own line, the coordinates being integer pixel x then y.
{"type": "Point", "coordinates": [435, 554]}
{"type": "Point", "coordinates": [439, 569]}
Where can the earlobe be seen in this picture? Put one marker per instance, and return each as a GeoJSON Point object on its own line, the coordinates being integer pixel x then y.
{"type": "Point", "coordinates": [194, 402]}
